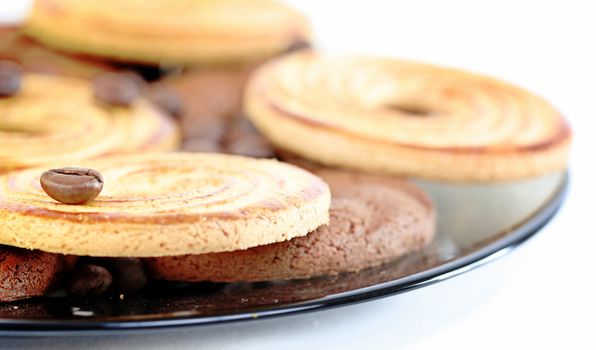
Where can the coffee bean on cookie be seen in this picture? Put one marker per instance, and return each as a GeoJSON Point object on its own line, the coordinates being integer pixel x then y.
{"type": "Point", "coordinates": [89, 280]}
{"type": "Point", "coordinates": [117, 89]}
{"type": "Point", "coordinates": [10, 78]}
{"type": "Point", "coordinates": [72, 185]}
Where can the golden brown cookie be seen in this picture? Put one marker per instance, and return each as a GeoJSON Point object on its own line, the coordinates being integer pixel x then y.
{"type": "Point", "coordinates": [166, 204]}
{"type": "Point", "coordinates": [168, 31]}
{"type": "Point", "coordinates": [373, 219]}
{"type": "Point", "coordinates": [398, 117]}
{"type": "Point", "coordinates": [58, 120]}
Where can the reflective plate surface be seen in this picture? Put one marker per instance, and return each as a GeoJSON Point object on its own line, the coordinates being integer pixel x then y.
{"type": "Point", "coordinates": [476, 224]}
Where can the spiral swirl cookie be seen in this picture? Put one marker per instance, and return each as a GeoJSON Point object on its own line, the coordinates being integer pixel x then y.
{"type": "Point", "coordinates": [58, 120]}
{"type": "Point", "coordinates": [166, 204]}
{"type": "Point", "coordinates": [168, 31]}
{"type": "Point", "coordinates": [373, 219]}
{"type": "Point", "coordinates": [391, 116]}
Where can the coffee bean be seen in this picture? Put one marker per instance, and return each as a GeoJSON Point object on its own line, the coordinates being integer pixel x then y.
{"type": "Point", "coordinates": [117, 89]}
{"type": "Point", "coordinates": [10, 78]}
{"type": "Point", "coordinates": [128, 273]}
{"type": "Point", "coordinates": [166, 98]}
{"type": "Point", "coordinates": [72, 185]}
{"type": "Point", "coordinates": [89, 280]}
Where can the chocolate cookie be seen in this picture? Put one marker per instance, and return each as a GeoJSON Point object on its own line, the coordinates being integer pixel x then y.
{"type": "Point", "coordinates": [373, 219]}
{"type": "Point", "coordinates": [210, 113]}
{"type": "Point", "coordinates": [28, 273]}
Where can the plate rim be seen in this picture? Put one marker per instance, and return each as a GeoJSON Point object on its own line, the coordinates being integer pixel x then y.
{"type": "Point", "coordinates": [472, 260]}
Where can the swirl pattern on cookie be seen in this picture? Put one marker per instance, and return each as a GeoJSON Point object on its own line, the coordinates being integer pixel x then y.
{"type": "Point", "coordinates": [57, 120]}
{"type": "Point", "coordinates": [373, 219]}
{"type": "Point", "coordinates": [168, 31]}
{"type": "Point", "coordinates": [160, 204]}
{"type": "Point", "coordinates": [407, 118]}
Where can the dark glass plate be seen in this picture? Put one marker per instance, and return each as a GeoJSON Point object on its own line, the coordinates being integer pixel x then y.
{"type": "Point", "coordinates": [476, 224]}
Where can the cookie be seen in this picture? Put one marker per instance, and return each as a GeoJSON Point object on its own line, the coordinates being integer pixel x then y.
{"type": "Point", "coordinates": [405, 118]}
{"type": "Point", "coordinates": [168, 32]}
{"type": "Point", "coordinates": [29, 273]}
{"type": "Point", "coordinates": [163, 204]}
{"type": "Point", "coordinates": [211, 114]}
{"type": "Point", "coordinates": [55, 119]}
{"type": "Point", "coordinates": [36, 58]}
{"type": "Point", "coordinates": [210, 97]}
{"type": "Point", "coordinates": [373, 219]}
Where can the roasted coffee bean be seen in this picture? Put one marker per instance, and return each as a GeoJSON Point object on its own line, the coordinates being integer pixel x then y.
{"type": "Point", "coordinates": [10, 78]}
{"type": "Point", "coordinates": [117, 89]}
{"type": "Point", "coordinates": [72, 185]}
{"type": "Point", "coordinates": [166, 98]}
{"type": "Point", "coordinates": [89, 280]}
{"type": "Point", "coordinates": [128, 273]}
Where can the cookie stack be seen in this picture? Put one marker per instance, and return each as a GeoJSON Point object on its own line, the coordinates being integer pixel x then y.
{"type": "Point", "coordinates": [470, 140]}
{"type": "Point", "coordinates": [102, 186]}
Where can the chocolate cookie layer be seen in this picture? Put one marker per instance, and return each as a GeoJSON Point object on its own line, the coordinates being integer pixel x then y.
{"type": "Point", "coordinates": [29, 273]}
{"type": "Point", "coordinates": [373, 219]}
{"type": "Point", "coordinates": [211, 116]}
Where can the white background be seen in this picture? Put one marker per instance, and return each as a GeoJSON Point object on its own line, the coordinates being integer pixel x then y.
{"type": "Point", "coordinates": [542, 295]}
